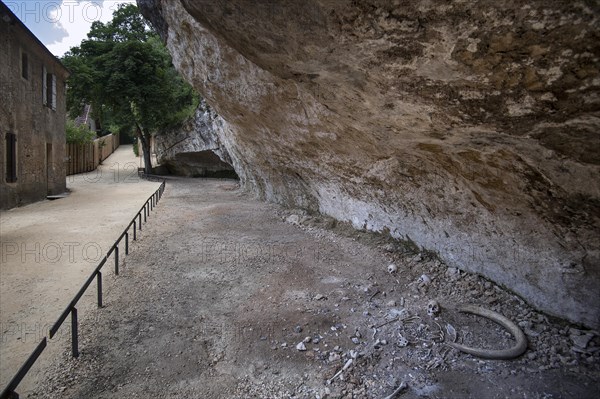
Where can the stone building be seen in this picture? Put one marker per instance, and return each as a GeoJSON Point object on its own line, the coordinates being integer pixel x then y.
{"type": "Point", "coordinates": [32, 116]}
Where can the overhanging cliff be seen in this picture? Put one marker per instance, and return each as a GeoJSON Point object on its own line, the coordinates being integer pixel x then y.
{"type": "Point", "coordinates": [194, 147]}
{"type": "Point", "coordinates": [470, 128]}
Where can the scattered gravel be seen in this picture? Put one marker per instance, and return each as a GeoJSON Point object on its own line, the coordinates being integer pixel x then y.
{"type": "Point", "coordinates": [225, 297]}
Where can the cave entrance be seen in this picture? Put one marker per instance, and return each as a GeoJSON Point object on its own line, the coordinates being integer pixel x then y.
{"type": "Point", "coordinates": [201, 164]}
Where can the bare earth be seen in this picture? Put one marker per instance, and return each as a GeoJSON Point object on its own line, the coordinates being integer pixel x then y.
{"type": "Point", "coordinates": [217, 296]}
{"type": "Point", "coordinates": [49, 249]}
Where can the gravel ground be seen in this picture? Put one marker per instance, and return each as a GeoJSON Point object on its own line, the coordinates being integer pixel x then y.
{"type": "Point", "coordinates": [49, 248]}
{"type": "Point", "coordinates": [227, 297]}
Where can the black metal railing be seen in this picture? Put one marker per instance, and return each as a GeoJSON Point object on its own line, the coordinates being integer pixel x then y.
{"type": "Point", "coordinates": [71, 309]}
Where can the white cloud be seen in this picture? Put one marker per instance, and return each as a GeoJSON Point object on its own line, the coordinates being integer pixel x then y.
{"type": "Point", "coordinates": [63, 24]}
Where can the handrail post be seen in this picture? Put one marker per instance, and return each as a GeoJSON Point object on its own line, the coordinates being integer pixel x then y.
{"type": "Point", "coordinates": [145, 210]}
{"type": "Point", "coordinates": [74, 333]}
{"type": "Point", "coordinates": [140, 219]}
{"type": "Point", "coordinates": [117, 259]}
{"type": "Point", "coordinates": [134, 229]}
{"type": "Point", "coordinates": [127, 243]}
{"type": "Point", "coordinates": [99, 281]}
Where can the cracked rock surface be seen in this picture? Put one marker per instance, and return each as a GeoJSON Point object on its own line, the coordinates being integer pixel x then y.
{"type": "Point", "coordinates": [467, 128]}
{"type": "Point", "coordinates": [194, 149]}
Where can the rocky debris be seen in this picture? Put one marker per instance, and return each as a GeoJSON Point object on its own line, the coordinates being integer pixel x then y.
{"type": "Point", "coordinates": [419, 334]}
{"type": "Point", "coordinates": [293, 219]}
{"type": "Point", "coordinates": [351, 345]}
{"type": "Point", "coordinates": [301, 347]}
{"type": "Point", "coordinates": [581, 340]}
{"type": "Point", "coordinates": [468, 129]}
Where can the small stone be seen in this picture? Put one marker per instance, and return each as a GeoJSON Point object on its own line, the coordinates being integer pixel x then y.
{"type": "Point", "coordinates": [391, 304]}
{"type": "Point", "coordinates": [316, 340]}
{"type": "Point", "coordinates": [319, 297]}
{"type": "Point", "coordinates": [334, 357]}
{"type": "Point", "coordinates": [307, 340]}
{"type": "Point", "coordinates": [582, 340]}
{"type": "Point", "coordinates": [293, 219]}
{"type": "Point", "coordinates": [301, 347]}
{"type": "Point", "coordinates": [388, 247]}
{"type": "Point", "coordinates": [298, 329]}
{"type": "Point", "coordinates": [355, 341]}
{"type": "Point", "coordinates": [284, 345]}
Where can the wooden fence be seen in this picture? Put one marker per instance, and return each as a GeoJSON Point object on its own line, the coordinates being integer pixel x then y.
{"type": "Point", "coordinates": [83, 158]}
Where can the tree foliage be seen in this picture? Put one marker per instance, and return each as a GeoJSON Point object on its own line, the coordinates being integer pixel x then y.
{"type": "Point", "coordinates": [78, 134]}
{"type": "Point", "coordinates": [125, 72]}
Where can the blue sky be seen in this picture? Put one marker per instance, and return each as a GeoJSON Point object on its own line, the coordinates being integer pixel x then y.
{"type": "Point", "coordinates": [62, 24]}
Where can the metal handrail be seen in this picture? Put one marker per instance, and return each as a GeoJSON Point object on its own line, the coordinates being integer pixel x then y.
{"type": "Point", "coordinates": [9, 390]}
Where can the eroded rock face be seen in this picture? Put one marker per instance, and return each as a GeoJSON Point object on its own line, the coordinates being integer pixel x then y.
{"type": "Point", "coordinates": [195, 149]}
{"type": "Point", "coordinates": [468, 128]}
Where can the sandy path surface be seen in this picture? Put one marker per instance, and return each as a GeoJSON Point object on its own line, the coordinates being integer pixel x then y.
{"type": "Point", "coordinates": [227, 297]}
{"type": "Point", "coordinates": [49, 249]}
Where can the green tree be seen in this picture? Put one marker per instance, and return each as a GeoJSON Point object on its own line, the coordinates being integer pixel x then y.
{"type": "Point", "coordinates": [125, 72]}
{"type": "Point", "coordinates": [78, 134]}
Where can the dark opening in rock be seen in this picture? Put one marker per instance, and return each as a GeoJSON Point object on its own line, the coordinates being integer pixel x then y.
{"type": "Point", "coordinates": [200, 164]}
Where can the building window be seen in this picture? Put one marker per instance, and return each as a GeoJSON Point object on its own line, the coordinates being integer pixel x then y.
{"type": "Point", "coordinates": [51, 92]}
{"type": "Point", "coordinates": [24, 65]}
{"type": "Point", "coordinates": [49, 89]}
{"type": "Point", "coordinates": [44, 86]}
{"type": "Point", "coordinates": [11, 158]}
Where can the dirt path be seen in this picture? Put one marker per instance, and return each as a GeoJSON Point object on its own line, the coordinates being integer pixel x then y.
{"type": "Point", "coordinates": [49, 249]}
{"type": "Point", "coordinates": [222, 298]}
